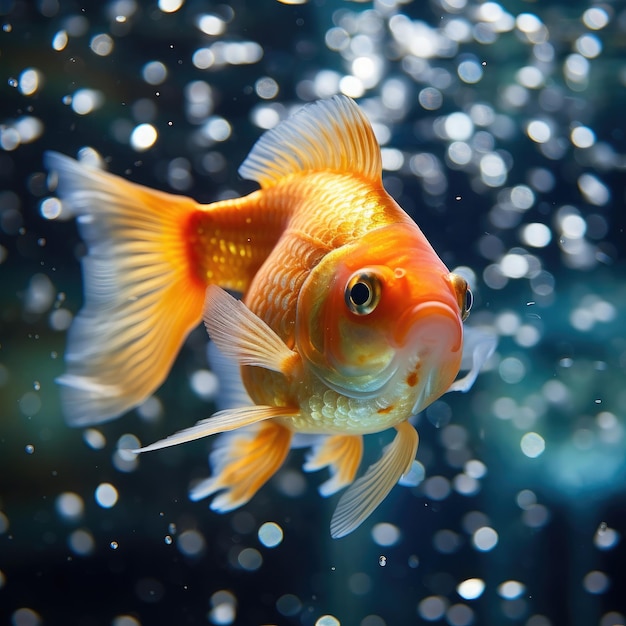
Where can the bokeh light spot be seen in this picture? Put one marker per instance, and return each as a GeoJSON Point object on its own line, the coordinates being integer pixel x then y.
{"type": "Point", "coordinates": [432, 608]}
{"type": "Point", "coordinates": [143, 137]}
{"type": "Point", "coordinates": [154, 72]}
{"type": "Point", "coordinates": [101, 44]}
{"type": "Point", "coordinates": [485, 539]}
{"type": "Point", "coordinates": [250, 559]}
{"type": "Point", "coordinates": [533, 445]}
{"type": "Point", "coordinates": [385, 534]}
{"type": "Point", "coordinates": [85, 101]}
{"type": "Point", "coordinates": [191, 543]}
{"type": "Point", "coordinates": [596, 582]}
{"type": "Point", "coordinates": [471, 588]}
{"type": "Point", "coordinates": [170, 6]}
{"type": "Point", "coordinates": [536, 234]}
{"type": "Point", "coordinates": [69, 505]}
{"type": "Point", "coordinates": [29, 81]}
{"type": "Point", "coordinates": [270, 534]}
{"type": "Point", "coordinates": [595, 18]}
{"type": "Point", "coordinates": [106, 495]}
{"type": "Point", "coordinates": [511, 589]}
{"type": "Point", "coordinates": [458, 126]}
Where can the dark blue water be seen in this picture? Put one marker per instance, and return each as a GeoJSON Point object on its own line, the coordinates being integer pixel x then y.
{"type": "Point", "coordinates": [503, 135]}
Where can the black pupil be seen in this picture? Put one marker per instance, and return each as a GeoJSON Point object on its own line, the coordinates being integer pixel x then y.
{"type": "Point", "coordinates": [360, 294]}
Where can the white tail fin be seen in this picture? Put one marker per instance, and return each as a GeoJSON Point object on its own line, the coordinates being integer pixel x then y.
{"type": "Point", "coordinates": [141, 298]}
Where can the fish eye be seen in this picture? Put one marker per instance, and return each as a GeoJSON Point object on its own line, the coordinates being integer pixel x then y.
{"type": "Point", "coordinates": [362, 293]}
{"type": "Point", "coordinates": [467, 305]}
{"type": "Point", "coordinates": [464, 295]}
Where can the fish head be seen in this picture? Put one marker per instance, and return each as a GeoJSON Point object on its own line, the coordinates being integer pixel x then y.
{"type": "Point", "coordinates": [383, 310]}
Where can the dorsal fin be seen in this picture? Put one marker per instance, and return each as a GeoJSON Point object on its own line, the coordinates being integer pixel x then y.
{"type": "Point", "coordinates": [327, 135]}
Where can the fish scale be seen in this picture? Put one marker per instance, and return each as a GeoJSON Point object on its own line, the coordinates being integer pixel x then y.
{"type": "Point", "coordinates": [345, 210]}
{"type": "Point", "coordinates": [228, 241]}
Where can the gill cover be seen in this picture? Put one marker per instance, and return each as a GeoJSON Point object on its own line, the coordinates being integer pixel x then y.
{"type": "Point", "coordinates": [339, 337]}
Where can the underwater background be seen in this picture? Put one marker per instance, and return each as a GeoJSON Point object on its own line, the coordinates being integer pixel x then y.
{"type": "Point", "coordinates": [503, 135]}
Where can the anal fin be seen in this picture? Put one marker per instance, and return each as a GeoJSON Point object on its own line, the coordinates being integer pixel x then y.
{"type": "Point", "coordinates": [242, 463]}
{"type": "Point", "coordinates": [342, 454]}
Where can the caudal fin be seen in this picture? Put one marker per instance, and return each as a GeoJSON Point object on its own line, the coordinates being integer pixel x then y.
{"type": "Point", "coordinates": [141, 296]}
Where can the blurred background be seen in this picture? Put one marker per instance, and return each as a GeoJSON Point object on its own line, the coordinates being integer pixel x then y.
{"type": "Point", "coordinates": [502, 130]}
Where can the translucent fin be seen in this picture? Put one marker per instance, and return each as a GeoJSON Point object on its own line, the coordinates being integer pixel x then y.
{"type": "Point", "coordinates": [342, 454]}
{"type": "Point", "coordinates": [328, 135]}
{"type": "Point", "coordinates": [243, 464]}
{"type": "Point", "coordinates": [220, 422]}
{"type": "Point", "coordinates": [478, 346]}
{"type": "Point", "coordinates": [363, 496]}
{"type": "Point", "coordinates": [243, 336]}
{"type": "Point", "coordinates": [232, 393]}
{"type": "Point", "coordinates": [141, 300]}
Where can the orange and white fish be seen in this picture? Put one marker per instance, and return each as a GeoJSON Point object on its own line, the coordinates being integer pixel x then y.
{"type": "Point", "coordinates": [349, 324]}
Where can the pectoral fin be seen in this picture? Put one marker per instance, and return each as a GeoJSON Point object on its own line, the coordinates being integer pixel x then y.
{"type": "Point", "coordinates": [363, 496]}
{"type": "Point", "coordinates": [478, 346]}
{"type": "Point", "coordinates": [232, 393]}
{"type": "Point", "coordinates": [220, 422]}
{"type": "Point", "coordinates": [242, 335]}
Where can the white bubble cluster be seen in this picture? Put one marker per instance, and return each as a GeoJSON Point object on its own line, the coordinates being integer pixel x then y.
{"type": "Point", "coordinates": [445, 109]}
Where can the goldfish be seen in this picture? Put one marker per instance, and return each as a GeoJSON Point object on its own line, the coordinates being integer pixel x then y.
{"type": "Point", "coordinates": [348, 324]}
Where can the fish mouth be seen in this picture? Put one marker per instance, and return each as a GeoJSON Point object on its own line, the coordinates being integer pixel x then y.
{"type": "Point", "coordinates": [434, 332]}
{"type": "Point", "coordinates": [428, 335]}
{"type": "Point", "coordinates": [434, 325]}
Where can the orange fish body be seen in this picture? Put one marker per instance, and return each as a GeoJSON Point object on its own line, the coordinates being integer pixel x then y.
{"type": "Point", "coordinates": [349, 323]}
